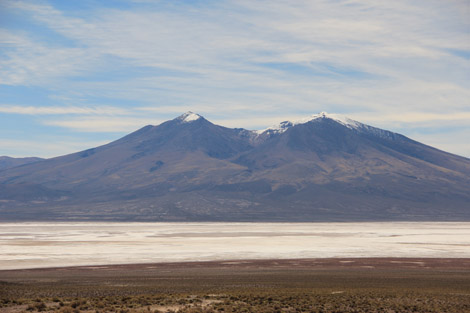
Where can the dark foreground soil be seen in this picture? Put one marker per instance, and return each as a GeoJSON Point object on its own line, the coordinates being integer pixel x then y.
{"type": "Point", "coordinates": [305, 285]}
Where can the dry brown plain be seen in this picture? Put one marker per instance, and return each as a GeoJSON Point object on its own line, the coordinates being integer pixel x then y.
{"type": "Point", "coordinates": [302, 285]}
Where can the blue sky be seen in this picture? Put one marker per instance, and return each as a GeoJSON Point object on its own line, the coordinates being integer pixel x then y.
{"type": "Point", "coordinates": [77, 74]}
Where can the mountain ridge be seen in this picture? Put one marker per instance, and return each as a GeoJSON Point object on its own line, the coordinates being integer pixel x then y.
{"type": "Point", "coordinates": [323, 168]}
{"type": "Point", "coordinates": [9, 162]}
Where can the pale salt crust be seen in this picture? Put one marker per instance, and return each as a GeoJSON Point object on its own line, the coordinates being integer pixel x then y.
{"type": "Point", "coordinates": [34, 245]}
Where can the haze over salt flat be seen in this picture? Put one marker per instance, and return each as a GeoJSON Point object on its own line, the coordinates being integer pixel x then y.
{"type": "Point", "coordinates": [31, 245]}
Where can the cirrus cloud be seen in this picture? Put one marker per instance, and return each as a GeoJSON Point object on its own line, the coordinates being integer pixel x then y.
{"type": "Point", "coordinates": [399, 65]}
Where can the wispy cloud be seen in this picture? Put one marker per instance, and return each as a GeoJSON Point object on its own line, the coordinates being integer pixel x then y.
{"type": "Point", "coordinates": [54, 110]}
{"type": "Point", "coordinates": [26, 61]}
{"type": "Point", "coordinates": [390, 63]}
{"type": "Point", "coordinates": [46, 149]}
{"type": "Point", "coordinates": [419, 117]}
{"type": "Point", "coordinates": [454, 141]}
{"type": "Point", "coordinates": [100, 124]}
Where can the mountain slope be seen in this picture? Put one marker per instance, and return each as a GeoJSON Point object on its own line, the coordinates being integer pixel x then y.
{"type": "Point", "coordinates": [8, 162]}
{"type": "Point", "coordinates": [322, 168]}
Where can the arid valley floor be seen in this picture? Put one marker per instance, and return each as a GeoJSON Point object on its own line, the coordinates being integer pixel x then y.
{"type": "Point", "coordinates": [235, 267]}
{"type": "Point", "coordinates": [296, 285]}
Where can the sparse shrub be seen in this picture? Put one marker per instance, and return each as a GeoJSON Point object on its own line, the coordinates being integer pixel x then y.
{"type": "Point", "coordinates": [66, 309]}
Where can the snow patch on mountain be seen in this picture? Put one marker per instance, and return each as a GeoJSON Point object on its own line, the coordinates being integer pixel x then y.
{"type": "Point", "coordinates": [283, 126]}
{"type": "Point", "coordinates": [346, 121]}
{"type": "Point", "coordinates": [276, 129]}
{"type": "Point", "coordinates": [189, 117]}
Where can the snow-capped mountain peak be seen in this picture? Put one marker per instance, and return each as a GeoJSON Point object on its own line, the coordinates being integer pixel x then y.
{"type": "Point", "coordinates": [280, 128]}
{"type": "Point", "coordinates": [283, 126]}
{"type": "Point", "coordinates": [188, 117]}
{"type": "Point", "coordinates": [346, 121]}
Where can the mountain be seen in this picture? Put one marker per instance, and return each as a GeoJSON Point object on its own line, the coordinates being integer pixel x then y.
{"type": "Point", "coordinates": [323, 168]}
{"type": "Point", "coordinates": [7, 162]}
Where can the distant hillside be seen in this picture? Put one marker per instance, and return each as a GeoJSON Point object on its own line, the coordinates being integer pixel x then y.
{"type": "Point", "coordinates": [323, 168]}
{"type": "Point", "coordinates": [8, 162]}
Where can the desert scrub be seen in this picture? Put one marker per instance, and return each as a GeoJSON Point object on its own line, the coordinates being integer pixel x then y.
{"type": "Point", "coordinates": [39, 306]}
{"type": "Point", "coordinates": [204, 290]}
